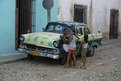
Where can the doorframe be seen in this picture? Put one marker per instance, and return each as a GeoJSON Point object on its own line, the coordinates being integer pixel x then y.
{"type": "Point", "coordinates": [17, 22]}
{"type": "Point", "coordinates": [114, 19]}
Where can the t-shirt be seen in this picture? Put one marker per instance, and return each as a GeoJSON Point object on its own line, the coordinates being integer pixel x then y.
{"type": "Point", "coordinates": [85, 45]}
{"type": "Point", "coordinates": [73, 42]}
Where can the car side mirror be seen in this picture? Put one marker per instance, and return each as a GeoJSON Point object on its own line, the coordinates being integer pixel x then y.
{"type": "Point", "coordinates": [28, 31]}
{"type": "Point", "coordinates": [43, 29]}
{"type": "Point", "coordinates": [99, 32]}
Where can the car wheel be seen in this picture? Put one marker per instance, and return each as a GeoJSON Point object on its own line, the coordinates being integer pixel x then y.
{"type": "Point", "coordinates": [63, 60]}
{"type": "Point", "coordinates": [91, 52]}
{"type": "Point", "coordinates": [30, 57]}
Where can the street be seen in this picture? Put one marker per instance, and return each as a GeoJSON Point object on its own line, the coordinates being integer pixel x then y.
{"type": "Point", "coordinates": [105, 65]}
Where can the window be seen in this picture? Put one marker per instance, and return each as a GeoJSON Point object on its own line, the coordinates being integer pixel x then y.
{"type": "Point", "coordinates": [79, 31]}
{"type": "Point", "coordinates": [80, 13]}
{"type": "Point", "coordinates": [86, 31]}
{"type": "Point", "coordinates": [55, 28]}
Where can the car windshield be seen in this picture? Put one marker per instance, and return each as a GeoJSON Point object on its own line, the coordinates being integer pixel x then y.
{"type": "Point", "coordinates": [55, 28]}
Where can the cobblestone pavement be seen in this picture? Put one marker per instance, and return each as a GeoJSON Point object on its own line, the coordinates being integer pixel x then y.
{"type": "Point", "coordinates": [105, 65]}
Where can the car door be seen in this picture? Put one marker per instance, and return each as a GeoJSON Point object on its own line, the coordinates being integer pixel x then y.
{"type": "Point", "coordinates": [90, 35]}
{"type": "Point", "coordinates": [79, 33]}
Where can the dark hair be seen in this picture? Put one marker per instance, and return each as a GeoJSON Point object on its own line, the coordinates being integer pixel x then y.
{"type": "Point", "coordinates": [73, 30]}
{"type": "Point", "coordinates": [86, 38]}
{"type": "Point", "coordinates": [64, 29]}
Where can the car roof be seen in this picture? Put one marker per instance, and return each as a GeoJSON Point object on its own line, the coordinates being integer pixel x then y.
{"type": "Point", "coordinates": [68, 23]}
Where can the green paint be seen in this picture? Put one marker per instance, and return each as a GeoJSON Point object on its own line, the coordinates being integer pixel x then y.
{"type": "Point", "coordinates": [28, 39]}
{"type": "Point", "coordinates": [50, 35]}
{"type": "Point", "coordinates": [44, 38]}
{"type": "Point", "coordinates": [36, 38]}
{"type": "Point", "coordinates": [41, 42]}
{"type": "Point", "coordinates": [50, 44]}
{"type": "Point", "coordinates": [56, 39]}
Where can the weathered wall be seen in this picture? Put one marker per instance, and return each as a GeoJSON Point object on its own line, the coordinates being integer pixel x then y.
{"type": "Point", "coordinates": [98, 13]}
{"type": "Point", "coordinates": [66, 10]}
{"type": "Point", "coordinates": [7, 22]}
{"type": "Point", "coordinates": [7, 26]}
{"type": "Point", "coordinates": [102, 14]}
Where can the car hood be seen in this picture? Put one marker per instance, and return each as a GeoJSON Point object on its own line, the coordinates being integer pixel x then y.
{"type": "Point", "coordinates": [44, 39]}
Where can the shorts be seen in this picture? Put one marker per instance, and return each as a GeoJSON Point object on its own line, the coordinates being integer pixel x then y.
{"type": "Point", "coordinates": [68, 47]}
{"type": "Point", "coordinates": [72, 48]}
{"type": "Point", "coordinates": [84, 51]}
{"type": "Point", "coordinates": [65, 47]}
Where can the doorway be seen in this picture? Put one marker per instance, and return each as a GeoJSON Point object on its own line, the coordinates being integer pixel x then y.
{"type": "Point", "coordinates": [80, 13]}
{"type": "Point", "coordinates": [113, 34]}
{"type": "Point", "coordinates": [23, 19]}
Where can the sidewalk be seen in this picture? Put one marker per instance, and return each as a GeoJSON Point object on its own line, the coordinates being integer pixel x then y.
{"type": "Point", "coordinates": [11, 57]}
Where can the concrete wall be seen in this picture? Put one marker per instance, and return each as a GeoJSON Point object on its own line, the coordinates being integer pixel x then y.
{"type": "Point", "coordinates": [98, 13]}
{"type": "Point", "coordinates": [102, 15]}
{"type": "Point", "coordinates": [41, 14]}
{"type": "Point", "coordinates": [66, 10]}
{"type": "Point", "coordinates": [7, 26]}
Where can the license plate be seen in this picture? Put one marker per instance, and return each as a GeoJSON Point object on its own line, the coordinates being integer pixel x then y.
{"type": "Point", "coordinates": [35, 53]}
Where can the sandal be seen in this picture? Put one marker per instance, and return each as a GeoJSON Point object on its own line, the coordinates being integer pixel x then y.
{"type": "Point", "coordinates": [83, 67]}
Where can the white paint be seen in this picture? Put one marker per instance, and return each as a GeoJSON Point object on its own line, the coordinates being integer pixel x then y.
{"type": "Point", "coordinates": [100, 18]}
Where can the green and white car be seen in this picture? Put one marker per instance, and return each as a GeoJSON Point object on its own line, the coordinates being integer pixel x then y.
{"type": "Point", "coordinates": [47, 43]}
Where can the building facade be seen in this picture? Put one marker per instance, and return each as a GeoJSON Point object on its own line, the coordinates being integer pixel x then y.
{"type": "Point", "coordinates": [101, 15]}
{"type": "Point", "coordinates": [18, 17]}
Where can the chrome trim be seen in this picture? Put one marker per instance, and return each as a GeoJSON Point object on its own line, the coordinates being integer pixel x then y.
{"type": "Point", "coordinates": [42, 53]}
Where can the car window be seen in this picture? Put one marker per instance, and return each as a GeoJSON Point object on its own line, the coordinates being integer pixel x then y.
{"type": "Point", "coordinates": [86, 31]}
{"type": "Point", "coordinates": [79, 31]}
{"type": "Point", "coordinates": [58, 29]}
{"type": "Point", "coordinates": [50, 28]}
{"type": "Point", "coordinates": [55, 28]}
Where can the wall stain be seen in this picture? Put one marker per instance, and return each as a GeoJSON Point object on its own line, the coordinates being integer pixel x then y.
{"type": "Point", "coordinates": [90, 14]}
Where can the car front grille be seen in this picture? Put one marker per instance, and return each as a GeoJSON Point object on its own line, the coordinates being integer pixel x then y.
{"type": "Point", "coordinates": [33, 47]}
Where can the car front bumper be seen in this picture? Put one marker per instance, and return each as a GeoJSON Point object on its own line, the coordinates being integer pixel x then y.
{"type": "Point", "coordinates": [42, 54]}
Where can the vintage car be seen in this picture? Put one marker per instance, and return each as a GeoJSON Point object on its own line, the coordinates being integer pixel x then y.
{"type": "Point", "coordinates": [47, 43]}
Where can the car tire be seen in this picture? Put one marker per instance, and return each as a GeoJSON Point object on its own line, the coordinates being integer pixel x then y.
{"type": "Point", "coordinates": [63, 60]}
{"type": "Point", "coordinates": [30, 57]}
{"type": "Point", "coordinates": [91, 52]}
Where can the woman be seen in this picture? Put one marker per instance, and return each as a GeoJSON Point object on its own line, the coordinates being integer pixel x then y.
{"type": "Point", "coordinates": [64, 43]}
{"type": "Point", "coordinates": [72, 48]}
{"type": "Point", "coordinates": [84, 51]}
{"type": "Point", "coordinates": [65, 39]}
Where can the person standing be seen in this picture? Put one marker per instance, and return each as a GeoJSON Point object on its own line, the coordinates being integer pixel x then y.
{"type": "Point", "coordinates": [84, 45]}
{"type": "Point", "coordinates": [65, 40]}
{"type": "Point", "coordinates": [72, 49]}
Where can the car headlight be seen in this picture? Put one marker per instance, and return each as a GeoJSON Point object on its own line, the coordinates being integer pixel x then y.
{"type": "Point", "coordinates": [22, 38]}
{"type": "Point", "coordinates": [23, 46]}
{"type": "Point", "coordinates": [55, 44]}
{"type": "Point", "coordinates": [56, 51]}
